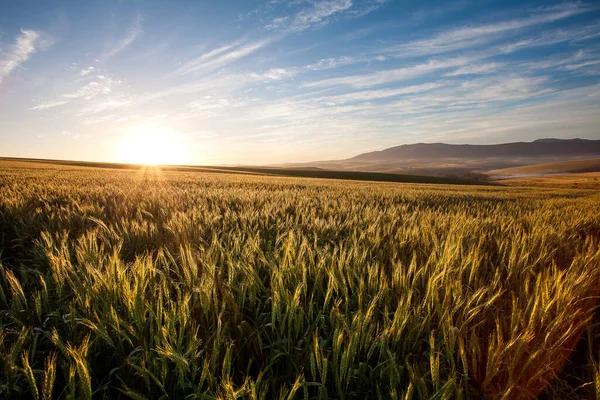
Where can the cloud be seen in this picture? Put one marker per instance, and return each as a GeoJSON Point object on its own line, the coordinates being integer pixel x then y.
{"type": "Point", "coordinates": [278, 23]}
{"type": "Point", "coordinates": [126, 41]}
{"type": "Point", "coordinates": [369, 7]}
{"type": "Point", "coordinates": [551, 37]}
{"type": "Point", "coordinates": [559, 61]}
{"type": "Point", "coordinates": [369, 95]}
{"type": "Point", "coordinates": [21, 51]}
{"type": "Point", "coordinates": [571, 67]}
{"type": "Point", "coordinates": [394, 75]}
{"type": "Point", "coordinates": [464, 65]}
{"type": "Point", "coordinates": [209, 107]}
{"type": "Point", "coordinates": [221, 57]}
{"type": "Point", "coordinates": [104, 105]}
{"type": "Point", "coordinates": [224, 55]}
{"type": "Point", "coordinates": [452, 110]}
{"type": "Point", "coordinates": [157, 49]}
{"type": "Point", "coordinates": [318, 14]}
{"type": "Point", "coordinates": [219, 82]}
{"type": "Point", "coordinates": [49, 104]}
{"type": "Point", "coordinates": [472, 36]}
{"type": "Point", "coordinates": [276, 74]}
{"type": "Point", "coordinates": [475, 94]}
{"type": "Point", "coordinates": [321, 12]}
{"type": "Point", "coordinates": [445, 97]}
{"type": "Point", "coordinates": [474, 69]}
{"type": "Point", "coordinates": [327, 63]}
{"type": "Point", "coordinates": [211, 54]}
{"type": "Point", "coordinates": [86, 71]}
{"type": "Point", "coordinates": [570, 113]}
{"type": "Point", "coordinates": [100, 86]}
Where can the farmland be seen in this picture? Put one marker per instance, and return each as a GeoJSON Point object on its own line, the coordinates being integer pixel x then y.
{"type": "Point", "coordinates": [587, 180]}
{"type": "Point", "coordinates": [199, 285]}
{"type": "Point", "coordinates": [549, 169]}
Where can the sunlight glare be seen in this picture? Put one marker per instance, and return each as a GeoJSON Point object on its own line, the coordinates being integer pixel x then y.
{"type": "Point", "coordinates": [152, 146]}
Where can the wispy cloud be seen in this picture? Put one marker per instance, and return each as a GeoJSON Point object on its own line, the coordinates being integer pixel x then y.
{"type": "Point", "coordinates": [327, 63]}
{"type": "Point", "coordinates": [19, 52]}
{"type": "Point", "coordinates": [433, 97]}
{"type": "Point", "coordinates": [476, 93]}
{"type": "Point", "coordinates": [560, 61]}
{"type": "Point", "coordinates": [472, 36]}
{"type": "Point", "coordinates": [580, 65]}
{"type": "Point", "coordinates": [218, 82]}
{"type": "Point", "coordinates": [318, 13]}
{"type": "Point", "coordinates": [276, 74]}
{"type": "Point", "coordinates": [551, 37]}
{"type": "Point", "coordinates": [367, 8]}
{"type": "Point", "coordinates": [475, 69]}
{"type": "Point", "coordinates": [49, 104]}
{"type": "Point", "coordinates": [103, 105]}
{"type": "Point", "coordinates": [569, 113]}
{"type": "Point", "coordinates": [394, 75]}
{"type": "Point", "coordinates": [221, 57]}
{"type": "Point", "coordinates": [86, 71]}
{"type": "Point", "coordinates": [446, 109]}
{"type": "Point", "coordinates": [278, 23]}
{"type": "Point", "coordinates": [369, 95]}
{"type": "Point", "coordinates": [128, 39]}
{"type": "Point", "coordinates": [101, 85]}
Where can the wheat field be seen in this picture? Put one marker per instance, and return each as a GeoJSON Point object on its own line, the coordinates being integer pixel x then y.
{"type": "Point", "coordinates": [155, 285]}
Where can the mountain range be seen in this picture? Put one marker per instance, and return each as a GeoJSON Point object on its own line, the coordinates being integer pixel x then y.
{"type": "Point", "coordinates": [537, 148]}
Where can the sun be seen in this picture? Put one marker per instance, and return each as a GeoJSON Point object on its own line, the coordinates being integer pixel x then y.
{"type": "Point", "coordinates": [152, 146]}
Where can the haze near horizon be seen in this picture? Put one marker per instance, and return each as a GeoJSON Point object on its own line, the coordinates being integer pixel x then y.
{"type": "Point", "coordinates": [266, 82]}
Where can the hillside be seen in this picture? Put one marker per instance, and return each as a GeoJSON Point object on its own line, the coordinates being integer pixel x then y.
{"type": "Point", "coordinates": [586, 180]}
{"type": "Point", "coordinates": [565, 167]}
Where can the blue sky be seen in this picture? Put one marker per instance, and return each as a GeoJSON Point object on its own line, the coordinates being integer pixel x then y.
{"type": "Point", "coordinates": [259, 82]}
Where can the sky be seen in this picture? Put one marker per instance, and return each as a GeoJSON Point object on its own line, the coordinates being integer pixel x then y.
{"type": "Point", "coordinates": [272, 81]}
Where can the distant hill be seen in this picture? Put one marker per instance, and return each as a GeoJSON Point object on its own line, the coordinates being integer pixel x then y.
{"type": "Point", "coordinates": [538, 148]}
{"type": "Point", "coordinates": [469, 161]}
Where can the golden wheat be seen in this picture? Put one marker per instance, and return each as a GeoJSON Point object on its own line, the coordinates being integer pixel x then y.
{"type": "Point", "coordinates": [115, 283]}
